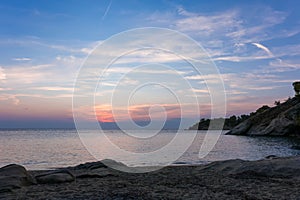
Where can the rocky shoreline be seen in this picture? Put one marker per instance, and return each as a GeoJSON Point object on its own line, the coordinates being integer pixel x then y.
{"type": "Point", "coordinates": [281, 120]}
{"type": "Point", "coordinates": [271, 178]}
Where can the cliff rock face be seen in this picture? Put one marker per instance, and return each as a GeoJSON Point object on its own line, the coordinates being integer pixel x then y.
{"type": "Point", "coordinates": [281, 120]}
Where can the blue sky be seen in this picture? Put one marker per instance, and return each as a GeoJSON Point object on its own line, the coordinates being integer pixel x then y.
{"type": "Point", "coordinates": [255, 46]}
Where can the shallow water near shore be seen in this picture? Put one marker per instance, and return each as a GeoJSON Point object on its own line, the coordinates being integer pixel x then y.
{"type": "Point", "coordinates": [46, 149]}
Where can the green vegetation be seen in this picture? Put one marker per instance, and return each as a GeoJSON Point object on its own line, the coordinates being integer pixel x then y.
{"type": "Point", "coordinates": [277, 103]}
{"type": "Point", "coordinates": [297, 88]}
{"type": "Point", "coordinates": [229, 122]}
{"type": "Point", "coordinates": [262, 109]}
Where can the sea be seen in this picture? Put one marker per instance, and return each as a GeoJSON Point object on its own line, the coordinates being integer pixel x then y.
{"type": "Point", "coordinates": [54, 148]}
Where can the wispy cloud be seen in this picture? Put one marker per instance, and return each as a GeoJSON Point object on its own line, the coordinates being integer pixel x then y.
{"type": "Point", "coordinates": [2, 74]}
{"type": "Point", "coordinates": [22, 59]}
{"type": "Point", "coordinates": [46, 81]}
{"type": "Point", "coordinates": [279, 65]}
{"type": "Point", "coordinates": [59, 89]}
{"type": "Point", "coordinates": [287, 50]}
{"type": "Point", "coordinates": [242, 83]}
{"type": "Point", "coordinates": [10, 97]}
{"type": "Point", "coordinates": [208, 24]}
{"type": "Point", "coordinates": [240, 58]}
{"type": "Point", "coordinates": [227, 34]}
{"type": "Point", "coordinates": [263, 48]}
{"type": "Point", "coordinates": [77, 47]}
{"type": "Point", "coordinates": [230, 24]}
{"type": "Point", "coordinates": [30, 74]}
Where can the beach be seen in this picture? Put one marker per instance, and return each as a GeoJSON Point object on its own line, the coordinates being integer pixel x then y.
{"type": "Point", "coordinates": [270, 178]}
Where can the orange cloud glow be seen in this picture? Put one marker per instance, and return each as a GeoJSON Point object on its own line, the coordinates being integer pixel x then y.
{"type": "Point", "coordinates": [105, 113]}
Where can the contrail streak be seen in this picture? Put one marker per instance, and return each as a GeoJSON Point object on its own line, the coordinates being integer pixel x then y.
{"type": "Point", "coordinates": [260, 46]}
{"type": "Point", "coordinates": [107, 10]}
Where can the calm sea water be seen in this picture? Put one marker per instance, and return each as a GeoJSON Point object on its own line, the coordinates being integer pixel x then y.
{"type": "Point", "coordinates": [45, 149]}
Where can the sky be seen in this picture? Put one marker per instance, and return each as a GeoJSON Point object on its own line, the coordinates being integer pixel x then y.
{"type": "Point", "coordinates": [44, 45]}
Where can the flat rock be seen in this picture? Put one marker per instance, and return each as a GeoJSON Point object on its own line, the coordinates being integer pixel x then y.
{"type": "Point", "coordinates": [61, 176]}
{"type": "Point", "coordinates": [274, 168]}
{"type": "Point", "coordinates": [98, 173]}
{"type": "Point", "coordinates": [14, 176]}
{"type": "Point", "coordinates": [89, 166]}
{"type": "Point", "coordinates": [96, 165]}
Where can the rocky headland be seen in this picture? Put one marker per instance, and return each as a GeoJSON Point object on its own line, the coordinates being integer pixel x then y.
{"type": "Point", "coordinates": [281, 120]}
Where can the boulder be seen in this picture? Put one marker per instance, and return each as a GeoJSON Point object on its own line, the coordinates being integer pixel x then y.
{"type": "Point", "coordinates": [99, 169]}
{"type": "Point", "coordinates": [14, 176]}
{"type": "Point", "coordinates": [273, 168]}
{"type": "Point", "coordinates": [61, 176]}
{"type": "Point", "coordinates": [89, 166]}
{"type": "Point", "coordinates": [96, 165]}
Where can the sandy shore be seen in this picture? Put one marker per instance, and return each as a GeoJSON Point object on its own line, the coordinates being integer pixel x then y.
{"type": "Point", "coordinates": [273, 178]}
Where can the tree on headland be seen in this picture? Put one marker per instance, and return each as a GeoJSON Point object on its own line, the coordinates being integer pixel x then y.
{"type": "Point", "coordinates": [297, 87]}
{"type": "Point", "coordinates": [229, 122]}
{"type": "Point", "coordinates": [277, 103]}
{"type": "Point", "coordinates": [262, 109]}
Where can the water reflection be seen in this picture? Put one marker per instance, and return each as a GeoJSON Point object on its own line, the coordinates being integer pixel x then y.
{"type": "Point", "coordinates": [44, 149]}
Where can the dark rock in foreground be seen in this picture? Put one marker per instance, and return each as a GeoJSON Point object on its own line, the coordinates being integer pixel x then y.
{"type": "Point", "coordinates": [13, 177]}
{"type": "Point", "coordinates": [282, 120]}
{"type": "Point", "coordinates": [61, 176]}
